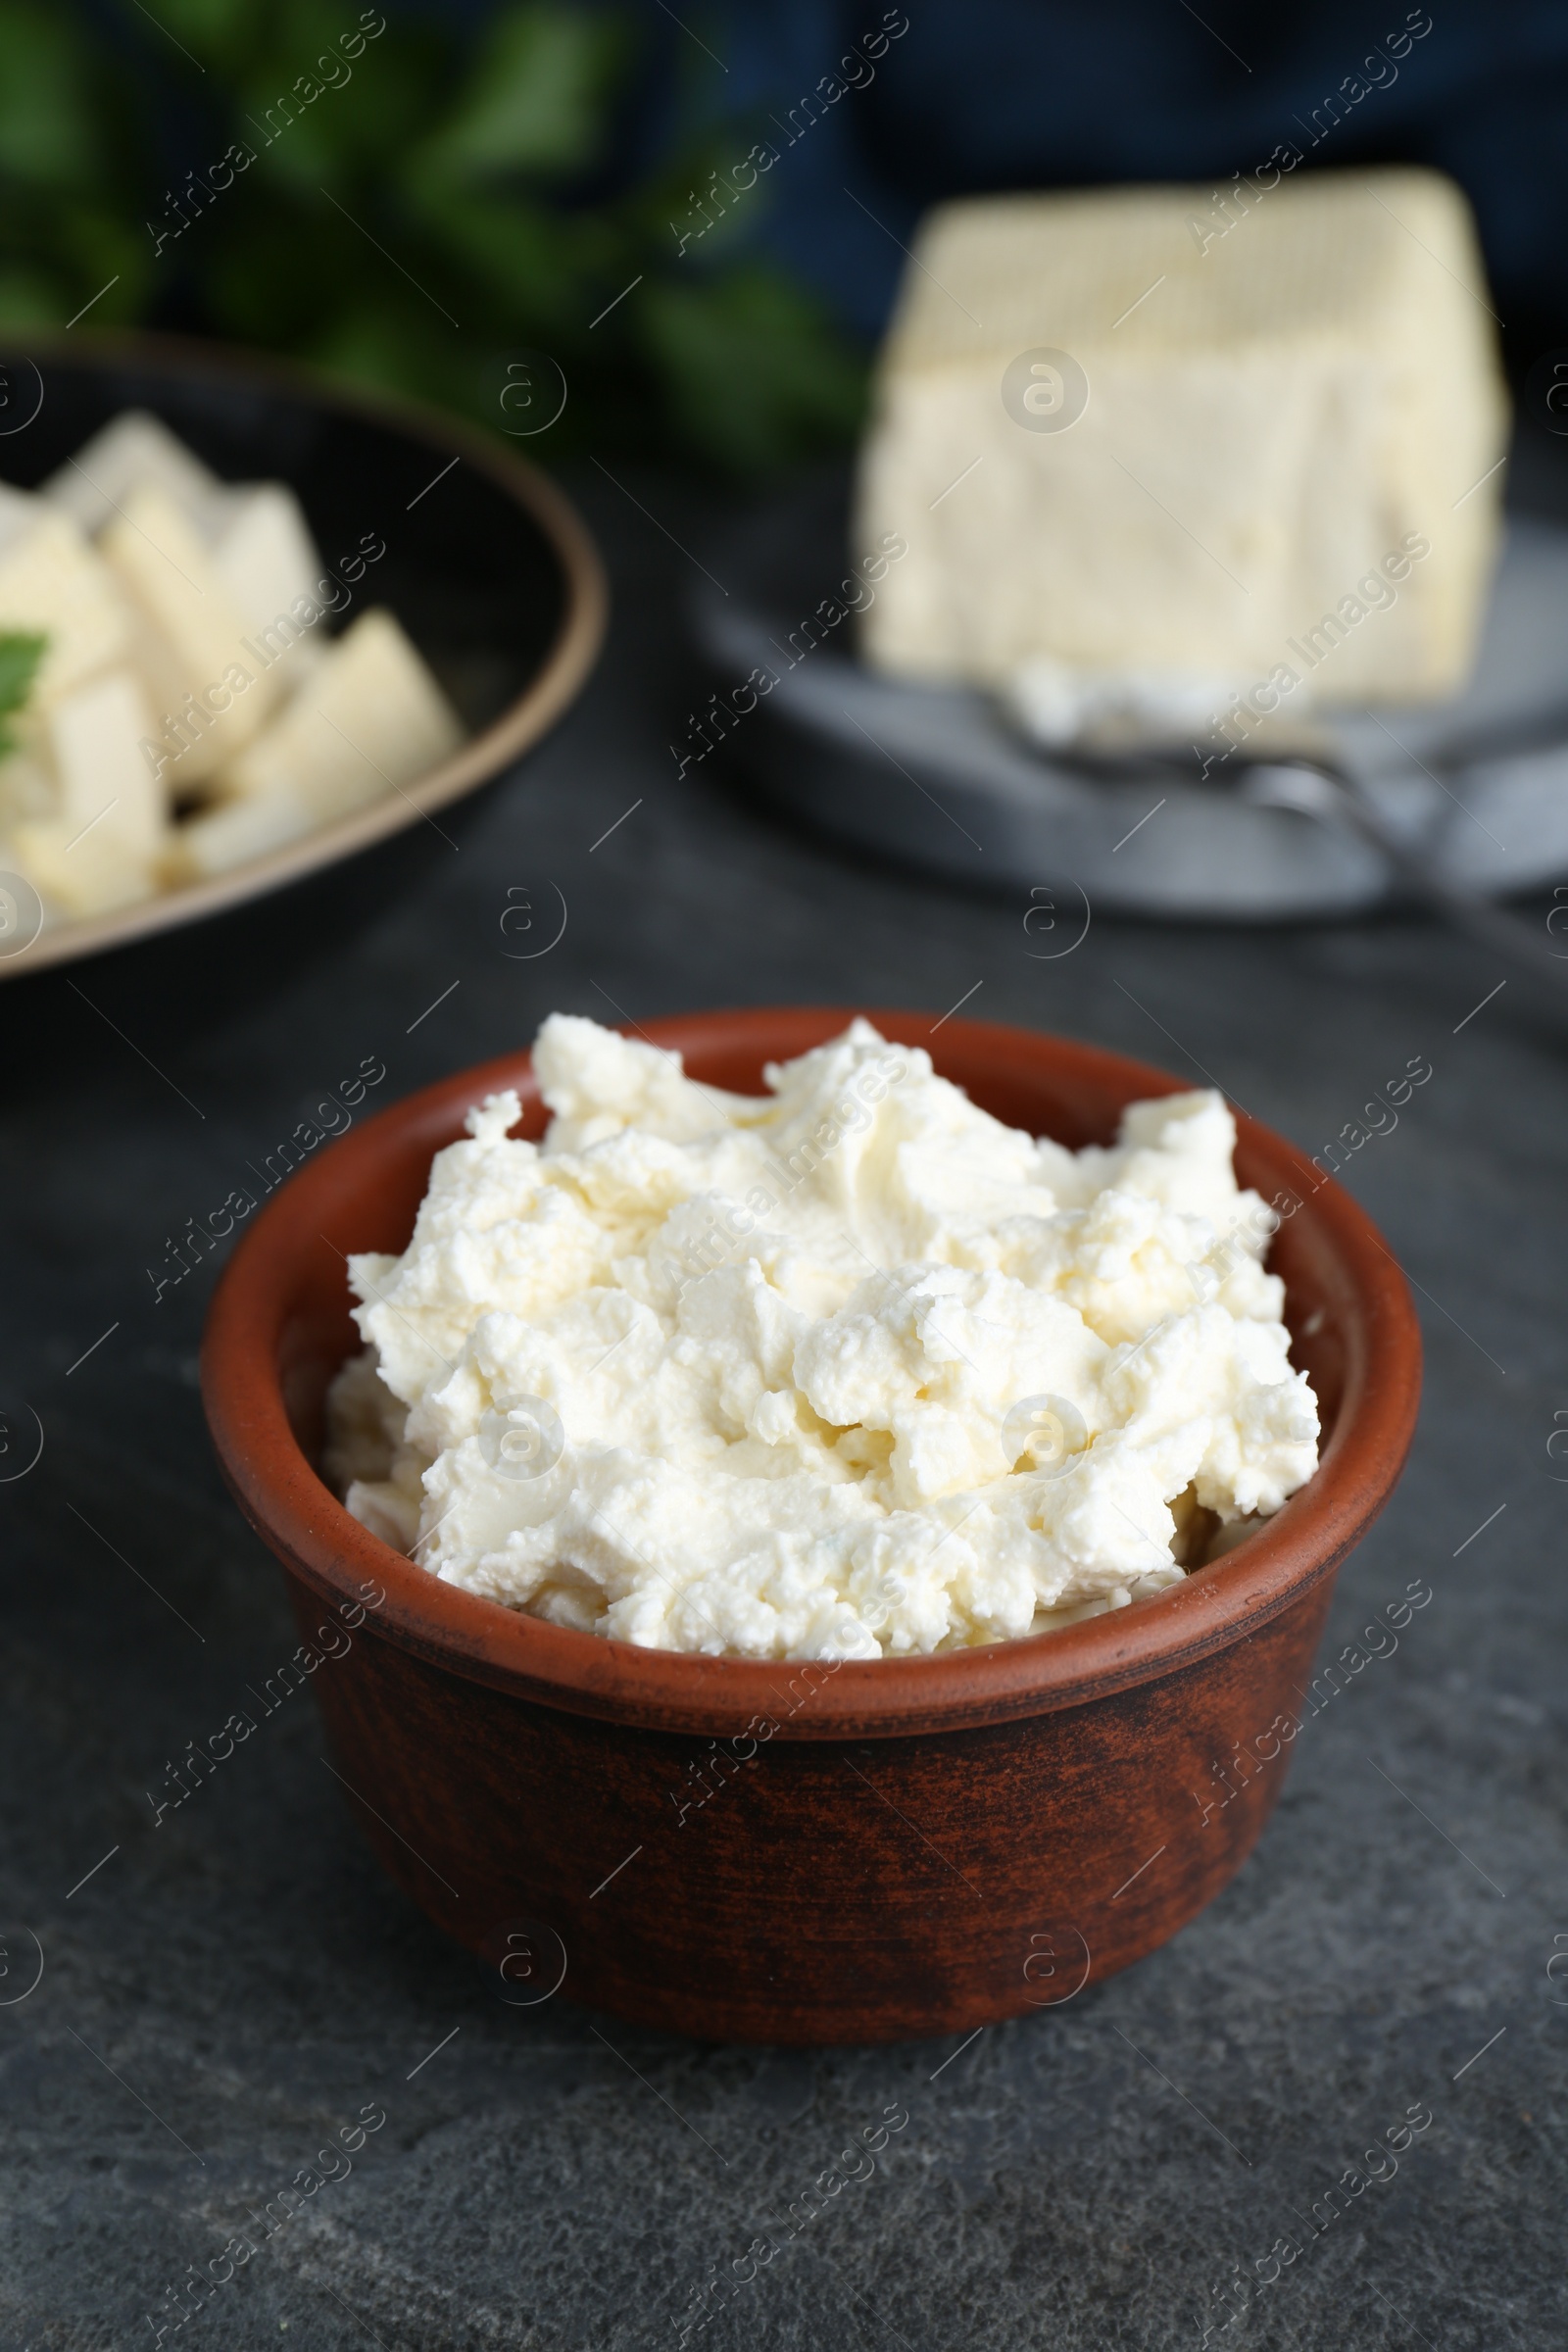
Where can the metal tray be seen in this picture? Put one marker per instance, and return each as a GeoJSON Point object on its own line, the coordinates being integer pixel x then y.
{"type": "Point", "coordinates": [939, 778]}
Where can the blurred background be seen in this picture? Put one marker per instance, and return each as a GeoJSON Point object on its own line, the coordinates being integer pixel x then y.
{"type": "Point", "coordinates": [248, 169]}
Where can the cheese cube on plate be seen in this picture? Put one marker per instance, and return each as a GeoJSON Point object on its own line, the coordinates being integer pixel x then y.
{"type": "Point", "coordinates": [233, 834]}
{"type": "Point", "coordinates": [26, 786]}
{"type": "Point", "coordinates": [20, 510]}
{"type": "Point", "coordinates": [270, 566]}
{"type": "Point", "coordinates": [136, 451]}
{"type": "Point", "coordinates": [213, 687]}
{"type": "Point", "coordinates": [264, 553]}
{"type": "Point", "coordinates": [369, 719]}
{"type": "Point", "coordinates": [99, 844]}
{"type": "Point", "coordinates": [106, 781]}
{"type": "Point", "coordinates": [54, 585]}
{"type": "Point", "coordinates": [79, 873]}
{"type": "Point", "coordinates": [1120, 436]}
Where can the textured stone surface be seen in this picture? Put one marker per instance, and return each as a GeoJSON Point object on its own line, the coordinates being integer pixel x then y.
{"type": "Point", "coordinates": [229, 1986]}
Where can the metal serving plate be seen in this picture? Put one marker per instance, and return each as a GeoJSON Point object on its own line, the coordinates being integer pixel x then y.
{"type": "Point", "coordinates": [939, 778]}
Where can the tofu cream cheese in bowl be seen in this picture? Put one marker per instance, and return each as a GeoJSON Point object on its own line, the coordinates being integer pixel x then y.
{"type": "Point", "coordinates": [852, 1501]}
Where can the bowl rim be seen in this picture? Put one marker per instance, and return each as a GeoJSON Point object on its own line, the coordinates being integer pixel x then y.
{"type": "Point", "coordinates": [563, 671]}
{"type": "Point", "coordinates": [311, 1532]}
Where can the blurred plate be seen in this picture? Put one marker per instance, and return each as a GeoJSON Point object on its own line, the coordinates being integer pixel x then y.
{"type": "Point", "coordinates": [487, 566]}
{"type": "Point", "coordinates": [939, 778]}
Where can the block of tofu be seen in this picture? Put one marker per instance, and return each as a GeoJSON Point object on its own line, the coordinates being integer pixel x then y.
{"type": "Point", "coordinates": [104, 778]}
{"type": "Point", "coordinates": [135, 451]}
{"type": "Point", "coordinates": [1269, 434]}
{"type": "Point", "coordinates": [213, 689]}
{"type": "Point", "coordinates": [369, 719]}
{"type": "Point", "coordinates": [54, 584]}
{"type": "Point", "coordinates": [89, 873]}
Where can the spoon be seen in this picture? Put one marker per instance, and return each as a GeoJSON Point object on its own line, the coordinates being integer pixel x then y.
{"type": "Point", "coordinates": [1317, 786]}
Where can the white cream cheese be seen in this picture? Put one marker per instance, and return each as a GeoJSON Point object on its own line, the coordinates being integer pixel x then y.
{"type": "Point", "coordinates": [849, 1370]}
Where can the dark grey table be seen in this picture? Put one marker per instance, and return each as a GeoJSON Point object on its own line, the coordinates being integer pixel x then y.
{"type": "Point", "coordinates": [223, 1988]}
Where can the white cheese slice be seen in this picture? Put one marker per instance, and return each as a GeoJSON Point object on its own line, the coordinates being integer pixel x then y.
{"type": "Point", "coordinates": [264, 554]}
{"type": "Point", "coordinates": [53, 584]}
{"type": "Point", "coordinates": [233, 834]}
{"type": "Point", "coordinates": [368, 720]}
{"type": "Point", "coordinates": [27, 783]}
{"type": "Point", "coordinates": [135, 451]}
{"type": "Point", "coordinates": [105, 781]}
{"type": "Point", "coordinates": [79, 873]}
{"type": "Point", "coordinates": [18, 511]}
{"type": "Point", "coordinates": [213, 687]}
{"type": "Point", "coordinates": [1272, 420]}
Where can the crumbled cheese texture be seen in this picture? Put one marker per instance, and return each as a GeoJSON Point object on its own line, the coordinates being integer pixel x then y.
{"type": "Point", "coordinates": [759, 1376]}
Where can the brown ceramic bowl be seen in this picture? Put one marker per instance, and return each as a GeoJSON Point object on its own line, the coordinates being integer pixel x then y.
{"type": "Point", "coordinates": [921, 1845]}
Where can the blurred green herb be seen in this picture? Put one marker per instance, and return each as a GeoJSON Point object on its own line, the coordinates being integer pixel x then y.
{"type": "Point", "coordinates": [405, 203]}
{"type": "Point", "coordinates": [19, 656]}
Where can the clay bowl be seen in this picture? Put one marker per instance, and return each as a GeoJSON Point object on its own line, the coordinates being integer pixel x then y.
{"type": "Point", "coordinates": [919, 1846]}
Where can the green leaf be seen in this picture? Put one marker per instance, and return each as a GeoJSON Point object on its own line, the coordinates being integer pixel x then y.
{"type": "Point", "coordinates": [48, 137]}
{"type": "Point", "coordinates": [27, 298]}
{"type": "Point", "coordinates": [285, 270]}
{"type": "Point", "coordinates": [371, 345]}
{"type": "Point", "coordinates": [539, 98]}
{"type": "Point", "coordinates": [363, 119]}
{"type": "Point", "coordinates": [755, 374]}
{"type": "Point", "coordinates": [537, 267]}
{"type": "Point", "coordinates": [460, 151]}
{"type": "Point", "coordinates": [19, 656]}
{"type": "Point", "coordinates": [104, 256]}
{"type": "Point", "coordinates": [211, 32]}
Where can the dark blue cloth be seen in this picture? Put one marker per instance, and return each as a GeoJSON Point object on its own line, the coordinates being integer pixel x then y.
{"type": "Point", "coordinates": [995, 94]}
